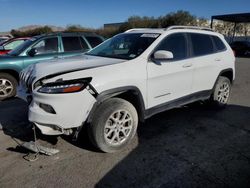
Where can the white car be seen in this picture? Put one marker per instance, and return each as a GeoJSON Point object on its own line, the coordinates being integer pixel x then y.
{"type": "Point", "coordinates": [127, 79]}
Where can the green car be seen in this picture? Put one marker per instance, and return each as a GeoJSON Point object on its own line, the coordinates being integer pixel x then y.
{"type": "Point", "coordinates": [39, 48]}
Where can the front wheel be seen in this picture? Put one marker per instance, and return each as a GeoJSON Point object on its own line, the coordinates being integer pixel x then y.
{"type": "Point", "coordinates": [114, 125]}
{"type": "Point", "coordinates": [8, 86]}
{"type": "Point", "coordinates": [221, 93]}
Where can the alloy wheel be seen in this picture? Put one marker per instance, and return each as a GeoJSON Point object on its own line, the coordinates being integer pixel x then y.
{"type": "Point", "coordinates": [6, 87]}
{"type": "Point", "coordinates": [223, 93]}
{"type": "Point", "coordinates": [118, 127]}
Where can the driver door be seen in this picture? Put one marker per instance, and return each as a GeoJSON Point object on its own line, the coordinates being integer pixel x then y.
{"type": "Point", "coordinates": [171, 79]}
{"type": "Point", "coordinates": [47, 49]}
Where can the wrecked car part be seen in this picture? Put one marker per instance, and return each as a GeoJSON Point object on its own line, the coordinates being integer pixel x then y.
{"type": "Point", "coordinates": [36, 148]}
{"type": "Point", "coordinates": [76, 133]}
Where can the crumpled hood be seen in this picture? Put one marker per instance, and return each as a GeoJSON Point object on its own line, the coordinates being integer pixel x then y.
{"type": "Point", "coordinates": [57, 66]}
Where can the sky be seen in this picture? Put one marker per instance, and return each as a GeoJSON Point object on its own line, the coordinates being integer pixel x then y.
{"type": "Point", "coordinates": [95, 13]}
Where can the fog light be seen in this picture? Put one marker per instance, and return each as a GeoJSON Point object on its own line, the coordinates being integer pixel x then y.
{"type": "Point", "coordinates": [47, 108]}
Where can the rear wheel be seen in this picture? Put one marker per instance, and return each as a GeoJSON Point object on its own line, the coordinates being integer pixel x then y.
{"type": "Point", "coordinates": [8, 86]}
{"type": "Point", "coordinates": [221, 93]}
{"type": "Point", "coordinates": [114, 125]}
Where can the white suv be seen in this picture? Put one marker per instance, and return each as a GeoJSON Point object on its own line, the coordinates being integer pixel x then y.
{"type": "Point", "coordinates": [127, 79]}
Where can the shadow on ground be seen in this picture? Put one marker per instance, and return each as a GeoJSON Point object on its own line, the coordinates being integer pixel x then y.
{"type": "Point", "coordinates": [188, 147]}
{"type": "Point", "coordinates": [13, 119]}
{"type": "Point", "coordinates": [14, 123]}
{"type": "Point", "coordinates": [192, 146]}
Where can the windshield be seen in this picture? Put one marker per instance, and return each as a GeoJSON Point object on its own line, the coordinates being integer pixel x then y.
{"type": "Point", "coordinates": [125, 46]}
{"type": "Point", "coordinates": [19, 49]}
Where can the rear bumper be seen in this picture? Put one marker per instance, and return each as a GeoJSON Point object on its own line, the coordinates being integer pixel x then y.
{"type": "Point", "coordinates": [70, 111]}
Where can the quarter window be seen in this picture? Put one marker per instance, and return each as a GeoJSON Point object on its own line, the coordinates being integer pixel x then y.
{"type": "Point", "coordinates": [202, 44]}
{"type": "Point", "coordinates": [72, 44]}
{"type": "Point", "coordinates": [175, 43]}
{"type": "Point", "coordinates": [46, 46]}
{"type": "Point", "coordinates": [218, 43]}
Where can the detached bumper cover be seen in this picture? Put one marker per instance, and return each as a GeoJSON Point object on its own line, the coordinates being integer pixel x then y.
{"type": "Point", "coordinates": [71, 110]}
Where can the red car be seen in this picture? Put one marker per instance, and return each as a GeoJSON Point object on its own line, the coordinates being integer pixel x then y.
{"type": "Point", "coordinates": [11, 44]}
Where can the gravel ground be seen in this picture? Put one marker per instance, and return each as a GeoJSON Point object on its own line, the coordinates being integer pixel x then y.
{"type": "Point", "coordinates": [192, 146]}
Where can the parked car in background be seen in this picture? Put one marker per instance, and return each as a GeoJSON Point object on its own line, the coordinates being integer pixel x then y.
{"type": "Point", "coordinates": [37, 49]}
{"type": "Point", "coordinates": [127, 79]}
{"type": "Point", "coordinates": [10, 44]}
{"type": "Point", "coordinates": [241, 48]}
{"type": "Point", "coordinates": [3, 39]}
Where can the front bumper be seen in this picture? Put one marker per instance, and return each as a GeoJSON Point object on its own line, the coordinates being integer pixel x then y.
{"type": "Point", "coordinates": [70, 111]}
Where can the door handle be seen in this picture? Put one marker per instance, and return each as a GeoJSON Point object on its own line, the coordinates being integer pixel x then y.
{"type": "Point", "coordinates": [217, 59]}
{"type": "Point", "coordinates": [187, 65]}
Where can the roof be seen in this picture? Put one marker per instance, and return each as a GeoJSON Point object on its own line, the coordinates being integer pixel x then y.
{"type": "Point", "coordinates": [236, 18]}
{"type": "Point", "coordinates": [162, 30]}
{"type": "Point", "coordinates": [67, 33]}
{"type": "Point", "coordinates": [21, 38]}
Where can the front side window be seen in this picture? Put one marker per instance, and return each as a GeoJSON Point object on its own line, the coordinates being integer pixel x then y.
{"type": "Point", "coordinates": [202, 44]}
{"type": "Point", "coordinates": [175, 43]}
{"type": "Point", "coordinates": [125, 46]}
{"type": "Point", "coordinates": [47, 46]}
{"type": "Point", "coordinates": [71, 44]}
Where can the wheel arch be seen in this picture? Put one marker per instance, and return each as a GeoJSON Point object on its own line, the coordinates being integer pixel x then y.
{"type": "Point", "coordinates": [227, 73]}
{"type": "Point", "coordinates": [130, 93]}
{"type": "Point", "coordinates": [13, 73]}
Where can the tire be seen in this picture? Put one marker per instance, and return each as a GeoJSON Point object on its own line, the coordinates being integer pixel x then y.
{"type": "Point", "coordinates": [8, 85]}
{"type": "Point", "coordinates": [111, 130]}
{"type": "Point", "coordinates": [221, 93]}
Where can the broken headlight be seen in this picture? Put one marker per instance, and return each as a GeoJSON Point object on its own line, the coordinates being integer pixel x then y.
{"type": "Point", "coordinates": [69, 86]}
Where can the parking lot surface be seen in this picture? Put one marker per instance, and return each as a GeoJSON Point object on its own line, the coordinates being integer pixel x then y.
{"type": "Point", "coordinates": [192, 146]}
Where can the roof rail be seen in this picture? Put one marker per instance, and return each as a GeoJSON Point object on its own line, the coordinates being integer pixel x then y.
{"type": "Point", "coordinates": [188, 27]}
{"type": "Point", "coordinates": [137, 29]}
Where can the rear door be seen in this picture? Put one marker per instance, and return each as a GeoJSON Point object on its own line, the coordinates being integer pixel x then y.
{"type": "Point", "coordinates": [205, 61]}
{"type": "Point", "coordinates": [171, 79]}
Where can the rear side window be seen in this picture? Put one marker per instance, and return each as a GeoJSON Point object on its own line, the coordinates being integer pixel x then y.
{"type": "Point", "coordinates": [202, 44]}
{"type": "Point", "coordinates": [218, 43]}
{"type": "Point", "coordinates": [175, 43]}
{"type": "Point", "coordinates": [71, 44]}
{"type": "Point", "coordinates": [94, 41]}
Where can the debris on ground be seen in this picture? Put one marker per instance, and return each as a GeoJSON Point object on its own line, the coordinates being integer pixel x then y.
{"type": "Point", "coordinates": [36, 148]}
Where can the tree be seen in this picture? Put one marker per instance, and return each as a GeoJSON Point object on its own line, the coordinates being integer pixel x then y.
{"type": "Point", "coordinates": [78, 28]}
{"type": "Point", "coordinates": [179, 18]}
{"type": "Point", "coordinates": [32, 32]}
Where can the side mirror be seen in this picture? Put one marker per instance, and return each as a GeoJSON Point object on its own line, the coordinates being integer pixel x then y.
{"type": "Point", "coordinates": [163, 55]}
{"type": "Point", "coordinates": [2, 48]}
{"type": "Point", "coordinates": [32, 52]}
